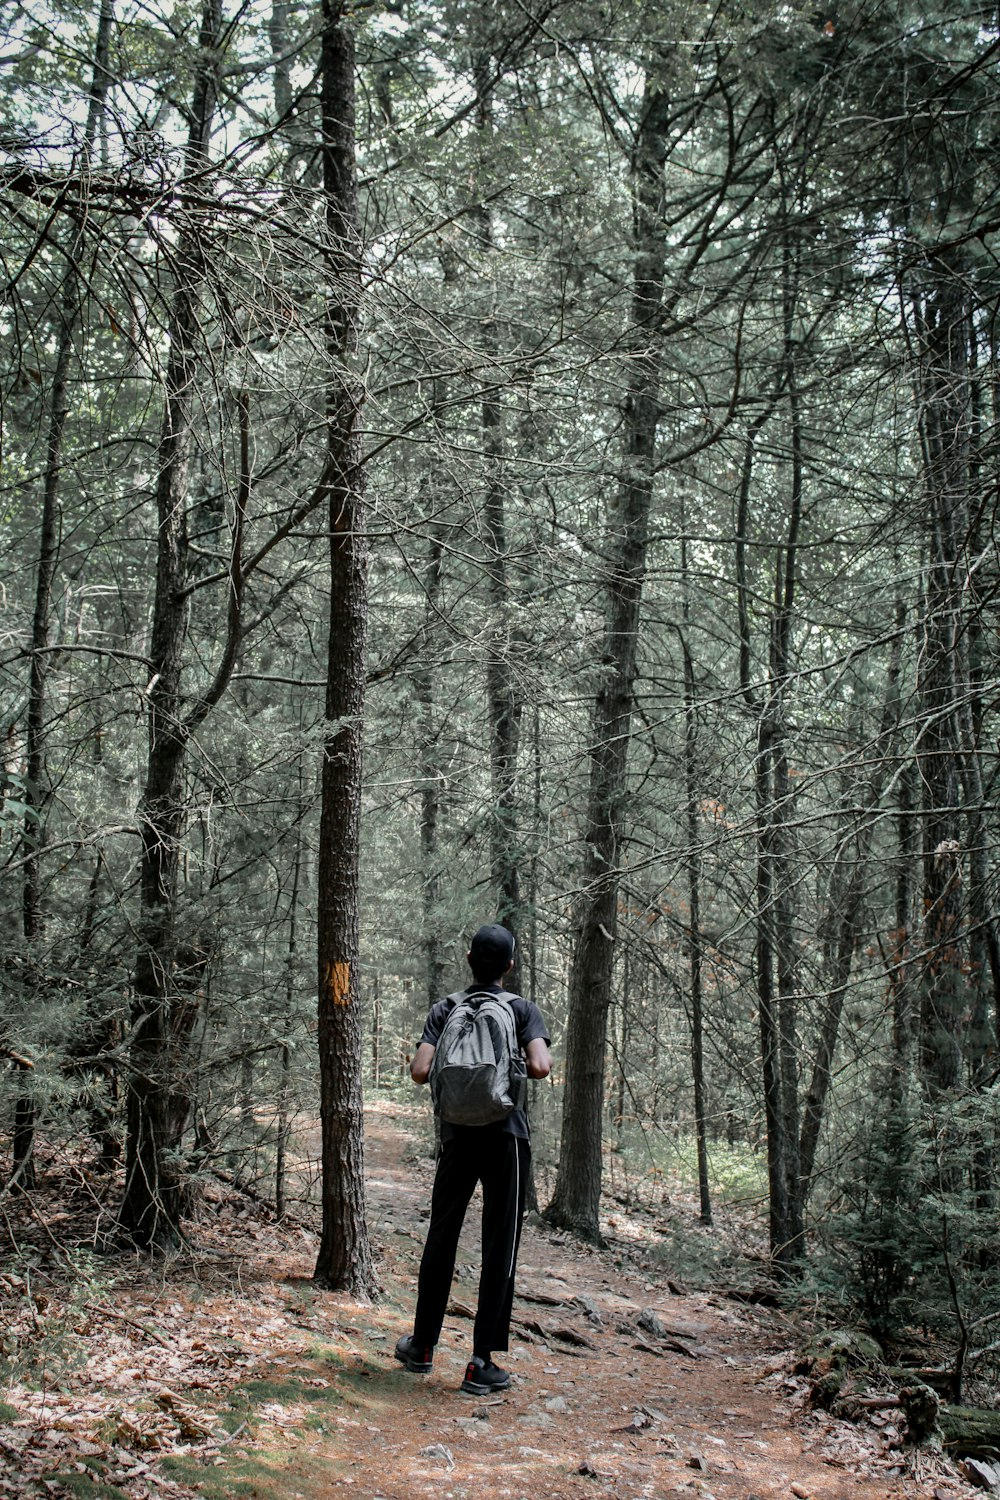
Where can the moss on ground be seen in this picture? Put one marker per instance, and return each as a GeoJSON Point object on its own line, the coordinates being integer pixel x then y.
{"type": "Point", "coordinates": [287, 1390]}
{"type": "Point", "coordinates": [8, 1413]}
{"type": "Point", "coordinates": [87, 1487]}
{"type": "Point", "coordinates": [263, 1475]}
{"type": "Point", "coordinates": [260, 1466]}
{"type": "Point", "coordinates": [290, 1388]}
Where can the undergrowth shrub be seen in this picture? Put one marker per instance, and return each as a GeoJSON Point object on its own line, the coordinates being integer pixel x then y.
{"type": "Point", "coordinates": [914, 1243]}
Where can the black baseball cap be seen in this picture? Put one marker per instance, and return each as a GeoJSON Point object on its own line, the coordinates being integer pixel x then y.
{"type": "Point", "coordinates": [490, 951]}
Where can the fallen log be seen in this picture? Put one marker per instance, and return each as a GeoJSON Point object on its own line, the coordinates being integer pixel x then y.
{"type": "Point", "coordinates": [970, 1431]}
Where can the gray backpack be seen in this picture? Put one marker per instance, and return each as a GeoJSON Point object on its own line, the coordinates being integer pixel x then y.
{"type": "Point", "coordinates": [477, 1072]}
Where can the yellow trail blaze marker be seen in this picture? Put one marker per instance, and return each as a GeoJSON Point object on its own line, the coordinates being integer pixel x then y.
{"type": "Point", "coordinates": [338, 983]}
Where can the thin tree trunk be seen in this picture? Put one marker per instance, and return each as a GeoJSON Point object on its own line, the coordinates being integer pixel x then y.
{"type": "Point", "coordinates": [777, 1175]}
{"type": "Point", "coordinates": [842, 922]}
{"type": "Point", "coordinates": [376, 1033]}
{"type": "Point", "coordinates": [430, 779]}
{"type": "Point", "coordinates": [503, 700]}
{"type": "Point", "coordinates": [776, 960]}
{"type": "Point", "coordinates": [529, 941]}
{"type": "Point", "coordinates": [531, 964]}
{"type": "Point", "coordinates": [945, 430]}
{"type": "Point", "coordinates": [163, 1017]}
{"type": "Point", "coordinates": [692, 861]}
{"type": "Point", "coordinates": [35, 793]}
{"type": "Point", "coordinates": [248, 1122]}
{"type": "Point", "coordinates": [576, 1200]}
{"type": "Point", "coordinates": [984, 947]}
{"type": "Point", "coordinates": [900, 981]}
{"type": "Point", "coordinates": [277, 28]}
{"type": "Point", "coordinates": [783, 889]}
{"type": "Point", "coordinates": [624, 1046]}
{"type": "Point", "coordinates": [344, 1262]}
{"type": "Point", "coordinates": [285, 1051]}
{"type": "Point", "coordinates": [770, 1048]}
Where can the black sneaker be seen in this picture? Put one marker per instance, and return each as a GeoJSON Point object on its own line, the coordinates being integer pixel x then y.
{"type": "Point", "coordinates": [481, 1379]}
{"type": "Point", "coordinates": [417, 1358]}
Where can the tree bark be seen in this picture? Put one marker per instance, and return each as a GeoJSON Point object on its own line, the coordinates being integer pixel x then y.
{"type": "Point", "coordinates": [693, 864]}
{"type": "Point", "coordinates": [430, 780]}
{"type": "Point", "coordinates": [945, 432]}
{"type": "Point", "coordinates": [164, 1012]}
{"type": "Point", "coordinates": [775, 954]}
{"type": "Point", "coordinates": [36, 794]}
{"type": "Point", "coordinates": [284, 1050]}
{"type": "Point", "coordinates": [503, 700]}
{"type": "Point", "coordinates": [576, 1201]}
{"type": "Point", "coordinates": [777, 1173]}
{"type": "Point", "coordinates": [900, 978]}
{"type": "Point", "coordinates": [344, 1262]}
{"type": "Point", "coordinates": [842, 922]}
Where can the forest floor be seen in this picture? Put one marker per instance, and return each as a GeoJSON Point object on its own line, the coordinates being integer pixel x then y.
{"type": "Point", "coordinates": [226, 1373]}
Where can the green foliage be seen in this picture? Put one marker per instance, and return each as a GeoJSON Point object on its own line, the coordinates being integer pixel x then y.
{"type": "Point", "coordinates": [15, 810]}
{"type": "Point", "coordinates": [699, 1257]}
{"type": "Point", "coordinates": [916, 1244]}
{"type": "Point", "coordinates": [882, 1239]}
{"type": "Point", "coordinates": [668, 1159]}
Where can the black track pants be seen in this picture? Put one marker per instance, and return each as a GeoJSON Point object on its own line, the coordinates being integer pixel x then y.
{"type": "Point", "coordinates": [500, 1162]}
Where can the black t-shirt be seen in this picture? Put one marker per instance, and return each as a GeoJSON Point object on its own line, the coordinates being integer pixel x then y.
{"type": "Point", "coordinates": [529, 1026]}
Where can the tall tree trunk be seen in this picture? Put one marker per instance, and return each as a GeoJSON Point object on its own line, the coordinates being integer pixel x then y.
{"type": "Point", "coordinates": [345, 1260]}
{"type": "Point", "coordinates": [841, 925]}
{"type": "Point", "coordinates": [777, 1174]}
{"type": "Point", "coordinates": [984, 946]}
{"type": "Point", "coordinates": [530, 946]}
{"type": "Point", "coordinates": [503, 699]}
{"type": "Point", "coordinates": [36, 779]}
{"type": "Point", "coordinates": [281, 62]}
{"type": "Point", "coordinates": [945, 432]}
{"type": "Point", "coordinates": [775, 958]}
{"type": "Point", "coordinates": [576, 1200]}
{"type": "Point", "coordinates": [163, 1015]}
{"type": "Point", "coordinates": [770, 1046]}
{"type": "Point", "coordinates": [692, 860]}
{"type": "Point", "coordinates": [285, 1050]}
{"type": "Point", "coordinates": [623, 1047]}
{"type": "Point", "coordinates": [900, 974]}
{"type": "Point", "coordinates": [35, 795]}
{"type": "Point", "coordinates": [430, 778]}
{"type": "Point", "coordinates": [377, 1022]}
{"type": "Point", "coordinates": [783, 891]}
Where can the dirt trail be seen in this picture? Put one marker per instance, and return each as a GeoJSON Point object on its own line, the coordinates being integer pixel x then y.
{"type": "Point", "coordinates": [709, 1417]}
{"type": "Point", "coordinates": [227, 1375]}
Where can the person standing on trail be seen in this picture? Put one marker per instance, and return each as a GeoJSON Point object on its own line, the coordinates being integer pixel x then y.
{"type": "Point", "coordinates": [476, 1047]}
